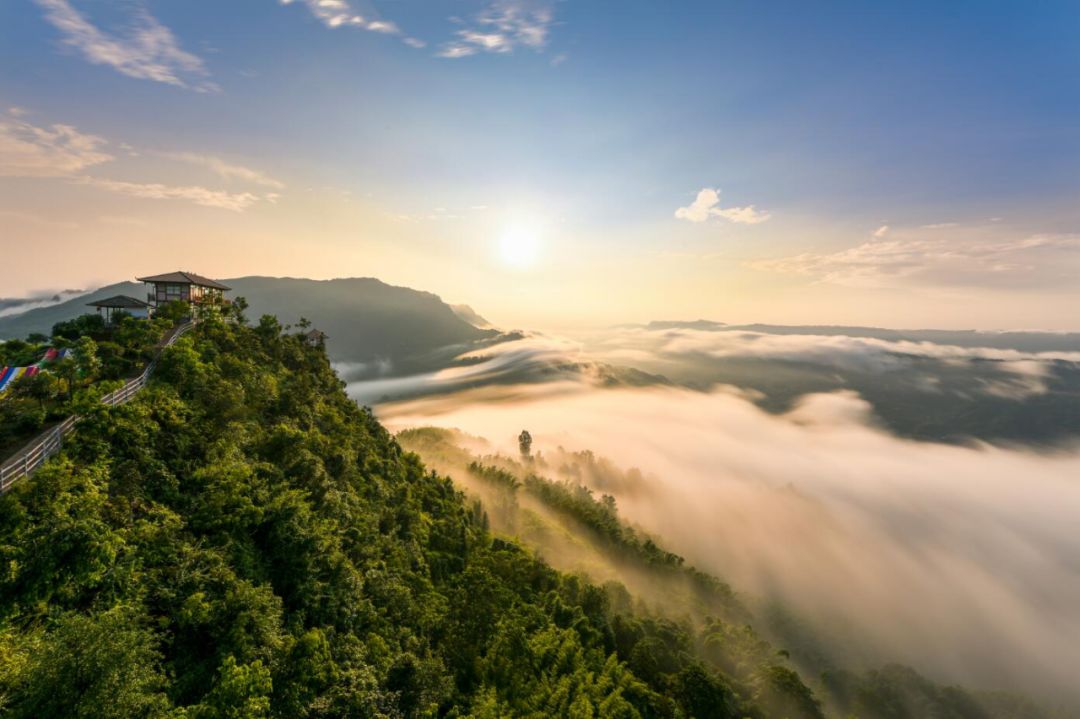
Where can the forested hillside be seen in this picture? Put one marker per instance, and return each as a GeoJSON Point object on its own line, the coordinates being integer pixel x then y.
{"type": "Point", "coordinates": [244, 541]}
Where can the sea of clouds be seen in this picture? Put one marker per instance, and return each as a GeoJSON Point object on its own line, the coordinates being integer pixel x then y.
{"type": "Point", "coordinates": [962, 560]}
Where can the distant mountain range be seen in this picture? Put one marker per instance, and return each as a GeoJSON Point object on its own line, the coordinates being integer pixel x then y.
{"type": "Point", "coordinates": [366, 320]}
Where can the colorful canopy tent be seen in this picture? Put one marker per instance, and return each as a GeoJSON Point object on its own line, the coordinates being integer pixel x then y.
{"type": "Point", "coordinates": [8, 375]}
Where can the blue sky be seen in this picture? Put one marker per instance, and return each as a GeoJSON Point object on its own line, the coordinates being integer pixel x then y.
{"type": "Point", "coordinates": [597, 120]}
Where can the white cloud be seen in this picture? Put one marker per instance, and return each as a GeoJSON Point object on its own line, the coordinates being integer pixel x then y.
{"type": "Point", "coordinates": [456, 50]}
{"type": "Point", "coordinates": [706, 206]}
{"type": "Point", "coordinates": [937, 260]}
{"type": "Point", "coordinates": [226, 170]}
{"type": "Point", "coordinates": [881, 231]}
{"type": "Point", "coordinates": [383, 26]}
{"type": "Point", "coordinates": [503, 26]}
{"type": "Point", "coordinates": [149, 51]}
{"type": "Point", "coordinates": [235, 201]}
{"type": "Point", "coordinates": [56, 151]}
{"type": "Point", "coordinates": [340, 13]}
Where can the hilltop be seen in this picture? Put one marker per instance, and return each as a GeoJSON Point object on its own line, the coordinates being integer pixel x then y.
{"type": "Point", "coordinates": [366, 319]}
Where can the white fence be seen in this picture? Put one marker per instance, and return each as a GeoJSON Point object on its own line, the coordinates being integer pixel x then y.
{"type": "Point", "coordinates": [27, 460]}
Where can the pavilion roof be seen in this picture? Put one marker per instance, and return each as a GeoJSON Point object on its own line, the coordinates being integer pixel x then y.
{"type": "Point", "coordinates": [120, 302]}
{"type": "Point", "coordinates": [185, 278]}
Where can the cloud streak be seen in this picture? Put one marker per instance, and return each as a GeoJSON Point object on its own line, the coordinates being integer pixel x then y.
{"type": "Point", "coordinates": [340, 13]}
{"type": "Point", "coordinates": [62, 151]}
{"type": "Point", "coordinates": [17, 305]}
{"type": "Point", "coordinates": [55, 151]}
{"type": "Point", "coordinates": [938, 260]}
{"type": "Point", "coordinates": [226, 170]}
{"type": "Point", "coordinates": [234, 201]}
{"type": "Point", "coordinates": [149, 51]}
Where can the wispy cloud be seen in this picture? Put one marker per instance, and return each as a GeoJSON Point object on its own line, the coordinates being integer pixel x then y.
{"type": "Point", "coordinates": [148, 51]}
{"type": "Point", "coordinates": [501, 27]}
{"type": "Point", "coordinates": [62, 151]}
{"type": "Point", "coordinates": [1037, 260]}
{"type": "Point", "coordinates": [17, 305]}
{"type": "Point", "coordinates": [56, 151]}
{"type": "Point", "coordinates": [226, 170]}
{"type": "Point", "coordinates": [707, 205]}
{"type": "Point", "coordinates": [881, 231]}
{"type": "Point", "coordinates": [341, 13]}
{"type": "Point", "coordinates": [235, 201]}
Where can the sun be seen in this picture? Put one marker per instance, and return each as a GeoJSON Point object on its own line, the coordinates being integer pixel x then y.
{"type": "Point", "coordinates": [519, 245]}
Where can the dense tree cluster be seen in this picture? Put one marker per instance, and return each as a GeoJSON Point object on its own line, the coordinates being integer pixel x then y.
{"type": "Point", "coordinates": [101, 356]}
{"type": "Point", "coordinates": [244, 541]}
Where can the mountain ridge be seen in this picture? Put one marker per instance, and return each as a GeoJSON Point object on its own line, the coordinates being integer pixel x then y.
{"type": "Point", "coordinates": [365, 318]}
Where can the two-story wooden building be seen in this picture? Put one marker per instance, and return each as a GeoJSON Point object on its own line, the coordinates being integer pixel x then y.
{"type": "Point", "coordinates": [188, 287]}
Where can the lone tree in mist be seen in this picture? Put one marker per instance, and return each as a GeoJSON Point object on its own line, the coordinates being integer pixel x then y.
{"type": "Point", "coordinates": [525, 444]}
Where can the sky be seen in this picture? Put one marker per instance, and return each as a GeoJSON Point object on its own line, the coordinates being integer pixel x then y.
{"type": "Point", "coordinates": [558, 163]}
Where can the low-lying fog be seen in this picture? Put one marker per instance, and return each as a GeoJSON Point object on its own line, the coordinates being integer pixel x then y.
{"type": "Point", "coordinates": [962, 560]}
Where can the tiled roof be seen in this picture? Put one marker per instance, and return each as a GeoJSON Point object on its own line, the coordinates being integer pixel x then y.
{"type": "Point", "coordinates": [120, 302]}
{"type": "Point", "coordinates": [185, 278]}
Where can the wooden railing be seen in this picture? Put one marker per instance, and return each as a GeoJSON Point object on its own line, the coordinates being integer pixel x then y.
{"type": "Point", "coordinates": [27, 460]}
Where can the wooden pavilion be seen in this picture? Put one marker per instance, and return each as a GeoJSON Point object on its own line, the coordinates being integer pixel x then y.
{"type": "Point", "coordinates": [315, 338]}
{"type": "Point", "coordinates": [110, 306]}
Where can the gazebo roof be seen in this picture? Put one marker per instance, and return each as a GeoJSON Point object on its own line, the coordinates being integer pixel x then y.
{"type": "Point", "coordinates": [120, 302]}
{"type": "Point", "coordinates": [185, 278]}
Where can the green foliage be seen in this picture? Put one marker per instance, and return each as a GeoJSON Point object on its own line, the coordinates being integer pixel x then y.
{"type": "Point", "coordinates": [93, 667]}
{"type": "Point", "coordinates": [244, 541]}
{"type": "Point", "coordinates": [100, 354]}
{"type": "Point", "coordinates": [174, 312]}
{"type": "Point", "coordinates": [241, 691]}
{"type": "Point", "coordinates": [88, 325]}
